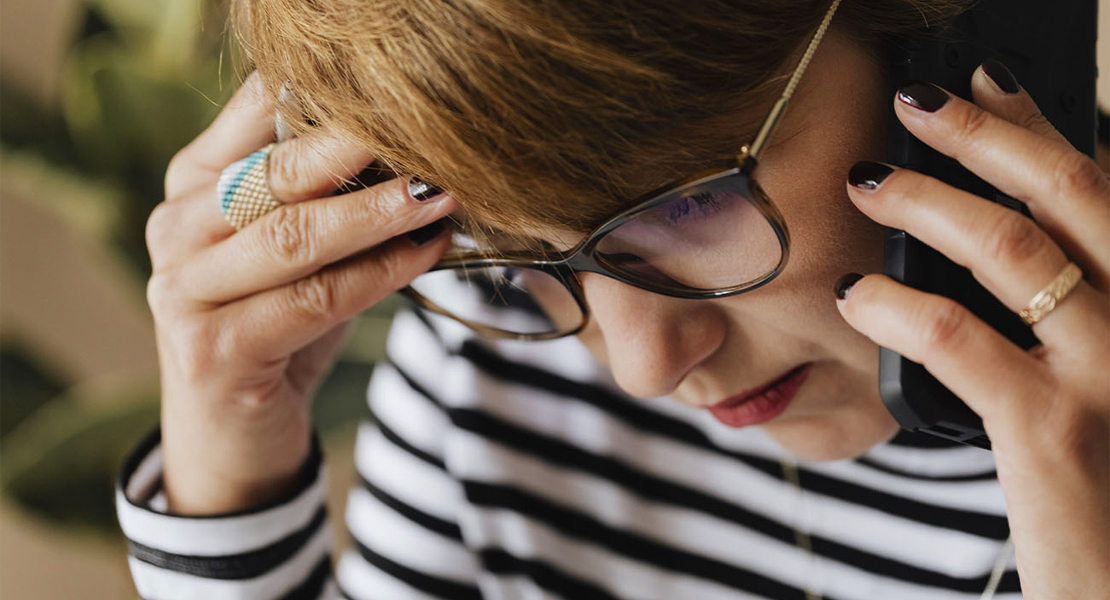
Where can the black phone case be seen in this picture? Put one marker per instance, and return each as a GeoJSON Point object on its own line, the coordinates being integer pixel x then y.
{"type": "Point", "coordinates": [1050, 48]}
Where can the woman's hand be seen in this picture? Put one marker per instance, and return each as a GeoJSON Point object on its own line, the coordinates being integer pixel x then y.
{"type": "Point", "coordinates": [249, 322]}
{"type": "Point", "coordinates": [1047, 411]}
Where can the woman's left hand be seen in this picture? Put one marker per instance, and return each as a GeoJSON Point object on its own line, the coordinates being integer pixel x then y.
{"type": "Point", "coordinates": [1046, 410]}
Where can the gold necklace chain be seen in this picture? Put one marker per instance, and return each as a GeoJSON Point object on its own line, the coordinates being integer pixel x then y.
{"type": "Point", "coordinates": [801, 538]}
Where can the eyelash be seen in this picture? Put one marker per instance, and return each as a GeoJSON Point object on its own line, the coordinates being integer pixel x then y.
{"type": "Point", "coordinates": [706, 203]}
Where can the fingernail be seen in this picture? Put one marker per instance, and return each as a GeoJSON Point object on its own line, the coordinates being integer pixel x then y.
{"type": "Point", "coordinates": [421, 190]}
{"type": "Point", "coordinates": [923, 96]}
{"type": "Point", "coordinates": [867, 175]}
{"type": "Point", "coordinates": [1001, 76]}
{"type": "Point", "coordinates": [845, 283]}
{"type": "Point", "coordinates": [427, 233]}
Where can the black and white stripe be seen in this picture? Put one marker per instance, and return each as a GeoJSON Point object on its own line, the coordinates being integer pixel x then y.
{"type": "Point", "coordinates": [280, 551]}
{"type": "Point", "coordinates": [504, 471]}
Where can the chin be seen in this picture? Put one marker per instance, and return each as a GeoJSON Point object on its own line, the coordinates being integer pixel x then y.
{"type": "Point", "coordinates": [845, 435]}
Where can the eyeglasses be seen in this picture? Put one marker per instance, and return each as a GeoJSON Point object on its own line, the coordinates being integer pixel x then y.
{"type": "Point", "coordinates": [711, 235]}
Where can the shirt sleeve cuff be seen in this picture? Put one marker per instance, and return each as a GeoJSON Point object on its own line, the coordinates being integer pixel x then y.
{"type": "Point", "coordinates": [258, 539]}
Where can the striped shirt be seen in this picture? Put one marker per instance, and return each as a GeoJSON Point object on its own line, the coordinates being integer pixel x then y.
{"type": "Point", "coordinates": [503, 470]}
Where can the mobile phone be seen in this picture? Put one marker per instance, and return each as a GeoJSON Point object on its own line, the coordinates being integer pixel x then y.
{"type": "Point", "coordinates": [1050, 48]}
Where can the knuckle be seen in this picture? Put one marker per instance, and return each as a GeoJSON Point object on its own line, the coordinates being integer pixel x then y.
{"type": "Point", "coordinates": [290, 174]}
{"type": "Point", "coordinates": [158, 293]}
{"type": "Point", "coordinates": [390, 267]}
{"type": "Point", "coordinates": [1033, 120]}
{"type": "Point", "coordinates": [283, 169]}
{"type": "Point", "coordinates": [943, 325]}
{"type": "Point", "coordinates": [175, 173]}
{"type": "Point", "coordinates": [198, 348]}
{"type": "Point", "coordinates": [376, 206]}
{"type": "Point", "coordinates": [1078, 175]}
{"type": "Point", "coordinates": [970, 122]}
{"type": "Point", "coordinates": [1013, 239]}
{"type": "Point", "coordinates": [314, 297]}
{"type": "Point", "coordinates": [158, 227]}
{"type": "Point", "coordinates": [287, 234]}
{"type": "Point", "coordinates": [167, 300]}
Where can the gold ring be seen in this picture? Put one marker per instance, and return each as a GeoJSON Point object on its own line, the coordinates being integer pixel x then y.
{"type": "Point", "coordinates": [1051, 294]}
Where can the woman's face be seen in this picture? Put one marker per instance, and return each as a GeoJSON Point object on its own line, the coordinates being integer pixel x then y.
{"type": "Point", "coordinates": [704, 351]}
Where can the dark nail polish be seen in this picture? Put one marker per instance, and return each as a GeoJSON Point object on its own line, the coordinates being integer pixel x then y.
{"type": "Point", "coordinates": [422, 191]}
{"type": "Point", "coordinates": [923, 96]}
{"type": "Point", "coordinates": [1001, 76]}
{"type": "Point", "coordinates": [426, 233]}
{"type": "Point", "coordinates": [845, 283]}
{"type": "Point", "coordinates": [867, 175]}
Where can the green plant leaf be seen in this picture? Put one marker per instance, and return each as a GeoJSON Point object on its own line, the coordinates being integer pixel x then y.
{"type": "Point", "coordinates": [24, 385]}
{"type": "Point", "coordinates": [59, 464]}
{"type": "Point", "coordinates": [29, 126]}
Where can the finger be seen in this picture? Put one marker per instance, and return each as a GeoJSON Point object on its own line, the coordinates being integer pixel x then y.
{"type": "Point", "coordinates": [1006, 252]}
{"type": "Point", "coordinates": [181, 224]}
{"type": "Point", "coordinates": [273, 324]}
{"type": "Point", "coordinates": [987, 371]}
{"type": "Point", "coordinates": [305, 168]}
{"type": "Point", "coordinates": [244, 125]}
{"type": "Point", "coordinates": [297, 170]}
{"type": "Point", "coordinates": [1065, 190]}
{"type": "Point", "coordinates": [996, 90]}
{"type": "Point", "coordinates": [298, 239]}
{"type": "Point", "coordinates": [177, 230]}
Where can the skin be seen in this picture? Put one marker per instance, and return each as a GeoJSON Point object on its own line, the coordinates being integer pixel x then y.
{"type": "Point", "coordinates": [704, 351]}
{"type": "Point", "coordinates": [236, 393]}
{"type": "Point", "coordinates": [1047, 411]}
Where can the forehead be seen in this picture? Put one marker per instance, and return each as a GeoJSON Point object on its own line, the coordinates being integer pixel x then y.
{"type": "Point", "coordinates": [824, 104]}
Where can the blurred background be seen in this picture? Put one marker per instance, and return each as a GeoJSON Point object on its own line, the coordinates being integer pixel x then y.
{"type": "Point", "coordinates": [95, 97]}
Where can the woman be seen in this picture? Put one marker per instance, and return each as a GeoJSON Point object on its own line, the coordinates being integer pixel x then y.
{"type": "Point", "coordinates": [583, 467]}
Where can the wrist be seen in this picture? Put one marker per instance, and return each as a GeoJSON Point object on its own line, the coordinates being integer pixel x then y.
{"type": "Point", "coordinates": [226, 474]}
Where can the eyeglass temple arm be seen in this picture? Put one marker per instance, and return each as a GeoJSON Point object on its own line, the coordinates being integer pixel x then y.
{"type": "Point", "coordinates": [780, 105]}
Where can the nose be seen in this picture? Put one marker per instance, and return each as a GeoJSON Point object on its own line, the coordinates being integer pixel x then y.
{"type": "Point", "coordinates": [651, 341]}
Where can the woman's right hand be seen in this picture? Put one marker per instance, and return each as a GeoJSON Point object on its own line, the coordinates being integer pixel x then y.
{"type": "Point", "coordinates": [248, 322]}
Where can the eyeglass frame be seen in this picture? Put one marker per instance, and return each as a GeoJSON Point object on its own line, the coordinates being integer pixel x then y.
{"type": "Point", "coordinates": [582, 259]}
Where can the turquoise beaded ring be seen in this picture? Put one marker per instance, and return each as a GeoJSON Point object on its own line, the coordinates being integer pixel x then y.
{"type": "Point", "coordinates": [243, 189]}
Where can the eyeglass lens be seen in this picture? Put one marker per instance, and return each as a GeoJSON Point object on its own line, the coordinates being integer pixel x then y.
{"type": "Point", "coordinates": [512, 299]}
{"type": "Point", "coordinates": [705, 241]}
{"type": "Point", "coordinates": [712, 239]}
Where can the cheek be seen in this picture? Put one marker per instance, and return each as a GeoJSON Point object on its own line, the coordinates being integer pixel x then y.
{"type": "Point", "coordinates": [829, 235]}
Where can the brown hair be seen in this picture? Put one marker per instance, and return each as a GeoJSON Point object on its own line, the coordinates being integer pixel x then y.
{"type": "Point", "coordinates": [534, 112]}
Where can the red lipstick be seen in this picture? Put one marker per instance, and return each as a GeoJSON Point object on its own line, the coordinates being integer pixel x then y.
{"type": "Point", "coordinates": [762, 403]}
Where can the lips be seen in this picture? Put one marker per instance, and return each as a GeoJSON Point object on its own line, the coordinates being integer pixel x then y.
{"type": "Point", "coordinates": [763, 403]}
